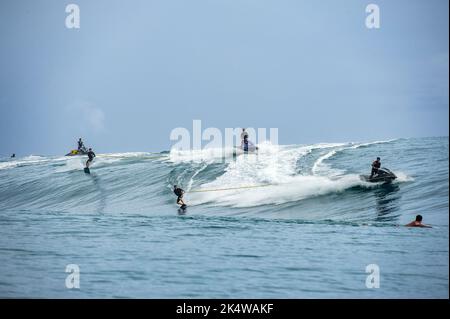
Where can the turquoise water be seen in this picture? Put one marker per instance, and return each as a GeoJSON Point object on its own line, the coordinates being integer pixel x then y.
{"type": "Point", "coordinates": [294, 221]}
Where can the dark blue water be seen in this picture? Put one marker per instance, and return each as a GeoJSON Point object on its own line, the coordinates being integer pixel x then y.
{"type": "Point", "coordinates": [292, 222]}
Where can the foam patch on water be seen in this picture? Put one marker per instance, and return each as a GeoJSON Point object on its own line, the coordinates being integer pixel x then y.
{"type": "Point", "coordinates": [403, 177]}
{"type": "Point", "coordinates": [27, 160]}
{"type": "Point", "coordinates": [72, 164]}
{"type": "Point", "coordinates": [5, 165]}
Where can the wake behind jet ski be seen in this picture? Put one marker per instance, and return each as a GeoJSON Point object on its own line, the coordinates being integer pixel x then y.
{"type": "Point", "coordinates": [383, 175]}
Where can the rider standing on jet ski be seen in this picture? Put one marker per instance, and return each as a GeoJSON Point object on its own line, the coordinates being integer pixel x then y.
{"type": "Point", "coordinates": [81, 147]}
{"type": "Point", "coordinates": [243, 134]}
{"type": "Point", "coordinates": [375, 166]}
{"type": "Point", "coordinates": [246, 144]}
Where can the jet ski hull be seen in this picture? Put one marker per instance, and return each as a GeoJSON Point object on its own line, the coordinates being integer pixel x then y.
{"type": "Point", "coordinates": [384, 176]}
{"type": "Point", "coordinates": [76, 153]}
{"type": "Point", "coordinates": [367, 178]}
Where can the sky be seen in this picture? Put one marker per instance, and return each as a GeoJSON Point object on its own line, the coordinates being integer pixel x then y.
{"type": "Point", "coordinates": [135, 70]}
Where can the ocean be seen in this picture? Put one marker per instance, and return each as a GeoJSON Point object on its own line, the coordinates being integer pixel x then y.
{"type": "Point", "coordinates": [293, 221]}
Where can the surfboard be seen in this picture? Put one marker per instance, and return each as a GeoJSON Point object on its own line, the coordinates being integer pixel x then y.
{"type": "Point", "coordinates": [86, 170]}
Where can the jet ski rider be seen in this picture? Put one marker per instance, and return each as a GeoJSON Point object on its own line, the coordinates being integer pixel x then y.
{"type": "Point", "coordinates": [246, 143]}
{"type": "Point", "coordinates": [244, 134]}
{"type": "Point", "coordinates": [375, 166]}
{"type": "Point", "coordinates": [81, 147]}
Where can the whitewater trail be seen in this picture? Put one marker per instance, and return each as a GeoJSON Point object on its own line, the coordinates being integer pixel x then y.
{"type": "Point", "coordinates": [272, 179]}
{"type": "Point", "coordinates": [262, 180]}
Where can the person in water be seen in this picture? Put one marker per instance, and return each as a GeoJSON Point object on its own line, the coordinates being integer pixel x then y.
{"type": "Point", "coordinates": [375, 166]}
{"type": "Point", "coordinates": [417, 223]}
{"type": "Point", "coordinates": [81, 147]}
{"type": "Point", "coordinates": [91, 156]}
{"type": "Point", "coordinates": [179, 192]}
{"type": "Point", "coordinates": [14, 155]}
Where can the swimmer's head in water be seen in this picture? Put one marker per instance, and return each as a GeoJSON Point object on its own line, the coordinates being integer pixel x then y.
{"type": "Point", "coordinates": [418, 218]}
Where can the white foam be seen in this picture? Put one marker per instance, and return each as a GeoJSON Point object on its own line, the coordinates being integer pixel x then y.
{"type": "Point", "coordinates": [403, 177]}
{"type": "Point", "coordinates": [191, 181]}
{"type": "Point", "coordinates": [130, 155]}
{"type": "Point", "coordinates": [33, 158]}
{"type": "Point", "coordinates": [5, 165]}
{"type": "Point", "coordinates": [201, 155]}
{"type": "Point", "coordinates": [27, 160]}
{"type": "Point", "coordinates": [276, 171]}
{"type": "Point", "coordinates": [78, 162]}
{"type": "Point", "coordinates": [373, 143]}
{"type": "Point", "coordinates": [72, 164]}
{"type": "Point", "coordinates": [295, 189]}
{"type": "Point", "coordinates": [319, 165]}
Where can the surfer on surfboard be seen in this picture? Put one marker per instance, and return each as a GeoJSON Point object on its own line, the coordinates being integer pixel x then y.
{"type": "Point", "coordinates": [179, 192]}
{"type": "Point", "coordinates": [91, 156]}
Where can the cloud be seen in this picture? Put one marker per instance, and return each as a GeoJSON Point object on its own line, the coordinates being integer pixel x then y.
{"type": "Point", "coordinates": [88, 115]}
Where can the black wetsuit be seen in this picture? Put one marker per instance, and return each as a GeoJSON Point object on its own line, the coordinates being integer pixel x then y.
{"type": "Point", "coordinates": [179, 192]}
{"type": "Point", "coordinates": [80, 145]}
{"type": "Point", "coordinates": [91, 156]}
{"type": "Point", "coordinates": [375, 166]}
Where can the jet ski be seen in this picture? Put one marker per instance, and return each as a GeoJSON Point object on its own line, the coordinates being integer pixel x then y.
{"type": "Point", "coordinates": [76, 152]}
{"type": "Point", "coordinates": [383, 176]}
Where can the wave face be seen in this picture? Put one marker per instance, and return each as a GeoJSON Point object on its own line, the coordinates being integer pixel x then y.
{"type": "Point", "coordinates": [294, 181]}
{"type": "Point", "coordinates": [283, 181]}
{"type": "Point", "coordinates": [306, 185]}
